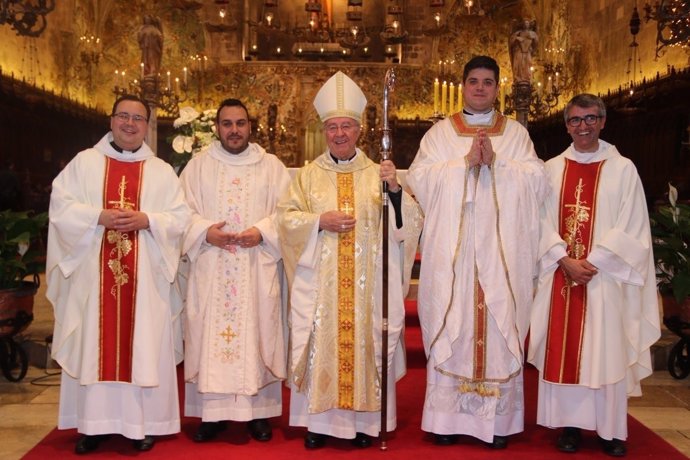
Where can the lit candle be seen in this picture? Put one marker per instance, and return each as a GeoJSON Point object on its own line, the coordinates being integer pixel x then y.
{"type": "Point", "coordinates": [502, 96]}
{"type": "Point", "coordinates": [184, 71]}
{"type": "Point", "coordinates": [436, 89]}
{"type": "Point", "coordinates": [142, 70]}
{"type": "Point", "coordinates": [451, 98]}
{"type": "Point", "coordinates": [444, 92]}
{"type": "Point", "coordinates": [117, 72]}
{"type": "Point", "coordinates": [168, 74]}
{"type": "Point", "coordinates": [460, 104]}
{"type": "Point", "coordinates": [122, 78]}
{"type": "Point", "coordinates": [177, 84]}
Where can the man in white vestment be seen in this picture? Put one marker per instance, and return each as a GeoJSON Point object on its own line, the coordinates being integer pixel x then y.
{"type": "Point", "coordinates": [596, 312]}
{"type": "Point", "coordinates": [117, 216]}
{"type": "Point", "coordinates": [330, 226]}
{"type": "Point", "coordinates": [480, 184]}
{"type": "Point", "coordinates": [234, 348]}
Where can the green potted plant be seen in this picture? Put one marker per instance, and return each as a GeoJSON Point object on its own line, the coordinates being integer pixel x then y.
{"type": "Point", "coordinates": [22, 253]}
{"type": "Point", "coordinates": [670, 225]}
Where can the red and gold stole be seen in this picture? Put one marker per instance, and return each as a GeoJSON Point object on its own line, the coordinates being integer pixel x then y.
{"type": "Point", "coordinates": [463, 129]}
{"type": "Point", "coordinates": [121, 189]}
{"type": "Point", "coordinates": [346, 297]}
{"type": "Point", "coordinates": [480, 318]}
{"type": "Point", "coordinates": [569, 301]}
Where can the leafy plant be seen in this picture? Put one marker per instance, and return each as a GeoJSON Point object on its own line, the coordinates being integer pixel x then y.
{"type": "Point", "coordinates": [22, 246]}
{"type": "Point", "coordinates": [671, 244]}
{"type": "Point", "coordinates": [194, 131]}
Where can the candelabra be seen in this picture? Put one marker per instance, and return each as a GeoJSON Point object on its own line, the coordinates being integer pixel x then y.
{"type": "Point", "coordinates": [90, 56]}
{"type": "Point", "coordinates": [150, 89]}
{"type": "Point", "coordinates": [352, 37]}
{"type": "Point", "coordinates": [673, 23]}
{"type": "Point", "coordinates": [26, 17]}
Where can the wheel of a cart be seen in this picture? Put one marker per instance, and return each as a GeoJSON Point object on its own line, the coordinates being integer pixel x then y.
{"type": "Point", "coordinates": [13, 360]}
{"type": "Point", "coordinates": [679, 359]}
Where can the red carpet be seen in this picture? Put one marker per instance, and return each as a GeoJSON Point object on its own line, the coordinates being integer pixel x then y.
{"type": "Point", "coordinates": [408, 442]}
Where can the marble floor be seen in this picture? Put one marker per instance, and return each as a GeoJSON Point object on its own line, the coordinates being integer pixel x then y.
{"type": "Point", "coordinates": [28, 409]}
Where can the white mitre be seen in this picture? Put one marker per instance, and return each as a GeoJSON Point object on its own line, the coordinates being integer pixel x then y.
{"type": "Point", "coordinates": [340, 97]}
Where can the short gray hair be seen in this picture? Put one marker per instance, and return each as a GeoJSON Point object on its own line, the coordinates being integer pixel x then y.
{"type": "Point", "coordinates": [585, 100]}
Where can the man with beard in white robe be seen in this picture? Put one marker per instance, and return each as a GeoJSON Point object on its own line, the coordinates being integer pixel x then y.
{"type": "Point", "coordinates": [480, 184]}
{"type": "Point", "coordinates": [330, 226]}
{"type": "Point", "coordinates": [117, 216]}
{"type": "Point", "coordinates": [234, 350]}
{"type": "Point", "coordinates": [596, 311]}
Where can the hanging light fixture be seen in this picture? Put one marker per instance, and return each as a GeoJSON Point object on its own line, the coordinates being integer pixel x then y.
{"type": "Point", "coordinates": [634, 58]}
{"type": "Point", "coordinates": [26, 17]}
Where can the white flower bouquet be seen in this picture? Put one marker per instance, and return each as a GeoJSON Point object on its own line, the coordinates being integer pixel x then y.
{"type": "Point", "coordinates": [194, 131]}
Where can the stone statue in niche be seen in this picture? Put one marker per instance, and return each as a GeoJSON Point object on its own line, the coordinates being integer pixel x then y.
{"type": "Point", "coordinates": [150, 38]}
{"type": "Point", "coordinates": [523, 45]}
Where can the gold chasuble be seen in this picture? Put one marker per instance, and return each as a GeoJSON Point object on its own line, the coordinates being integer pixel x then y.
{"type": "Point", "coordinates": [346, 297]}
{"type": "Point", "coordinates": [568, 300]}
{"type": "Point", "coordinates": [121, 190]}
{"type": "Point", "coordinates": [333, 359]}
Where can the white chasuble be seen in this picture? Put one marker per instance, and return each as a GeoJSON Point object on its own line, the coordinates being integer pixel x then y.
{"type": "Point", "coordinates": [622, 315]}
{"type": "Point", "coordinates": [234, 336]}
{"type": "Point", "coordinates": [478, 250]}
{"type": "Point", "coordinates": [149, 404]}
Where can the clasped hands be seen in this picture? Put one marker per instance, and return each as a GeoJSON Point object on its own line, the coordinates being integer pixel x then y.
{"type": "Point", "coordinates": [342, 221]}
{"type": "Point", "coordinates": [481, 152]}
{"type": "Point", "coordinates": [578, 271]}
{"type": "Point", "coordinates": [123, 220]}
{"type": "Point", "coordinates": [216, 236]}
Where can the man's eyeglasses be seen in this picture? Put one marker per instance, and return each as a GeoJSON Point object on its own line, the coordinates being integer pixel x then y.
{"type": "Point", "coordinates": [124, 117]}
{"type": "Point", "coordinates": [589, 120]}
{"type": "Point", "coordinates": [345, 127]}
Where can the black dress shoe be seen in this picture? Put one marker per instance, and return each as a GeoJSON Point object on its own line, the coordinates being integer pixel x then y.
{"type": "Point", "coordinates": [314, 440]}
{"type": "Point", "coordinates": [88, 443]}
{"type": "Point", "coordinates": [144, 444]}
{"type": "Point", "coordinates": [361, 441]}
{"type": "Point", "coordinates": [445, 439]}
{"type": "Point", "coordinates": [209, 430]}
{"type": "Point", "coordinates": [260, 429]}
{"type": "Point", "coordinates": [499, 442]}
{"type": "Point", "coordinates": [569, 440]}
{"type": "Point", "coordinates": [614, 447]}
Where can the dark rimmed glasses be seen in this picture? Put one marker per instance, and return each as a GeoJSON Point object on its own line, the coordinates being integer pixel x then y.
{"type": "Point", "coordinates": [589, 120]}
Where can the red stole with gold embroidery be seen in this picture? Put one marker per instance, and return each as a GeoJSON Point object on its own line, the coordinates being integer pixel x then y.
{"type": "Point", "coordinates": [121, 189]}
{"type": "Point", "coordinates": [569, 301]}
